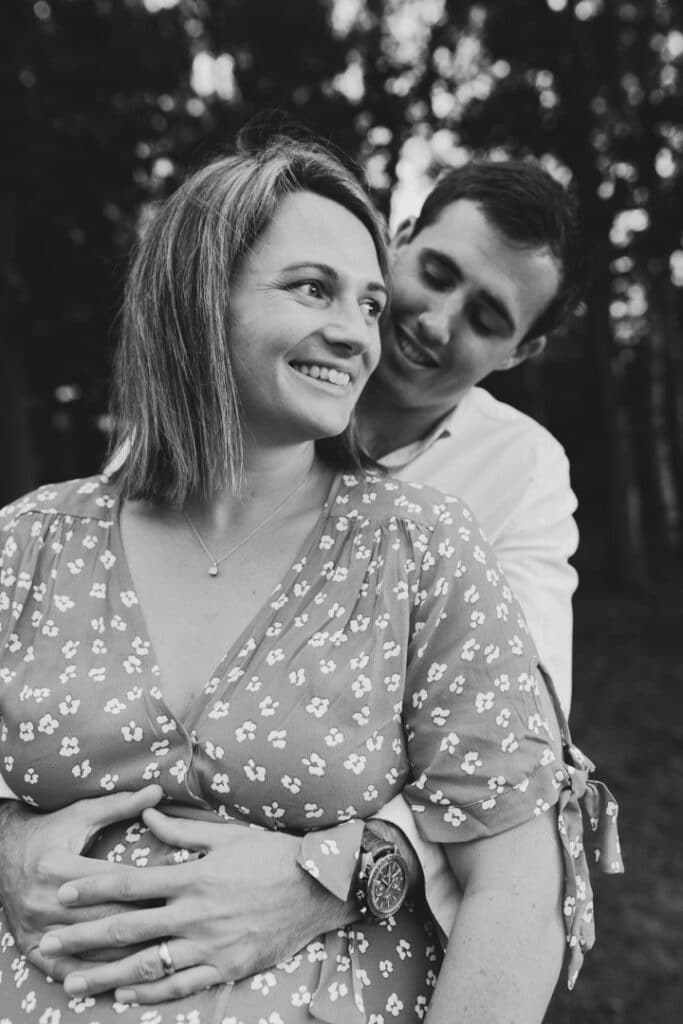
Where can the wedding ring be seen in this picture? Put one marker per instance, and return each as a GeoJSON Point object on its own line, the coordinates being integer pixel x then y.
{"type": "Point", "coordinates": [167, 965]}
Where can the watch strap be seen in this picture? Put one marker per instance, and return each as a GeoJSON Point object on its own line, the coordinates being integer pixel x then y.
{"type": "Point", "coordinates": [374, 849]}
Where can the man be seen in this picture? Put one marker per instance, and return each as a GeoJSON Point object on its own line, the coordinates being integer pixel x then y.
{"type": "Point", "coordinates": [489, 267]}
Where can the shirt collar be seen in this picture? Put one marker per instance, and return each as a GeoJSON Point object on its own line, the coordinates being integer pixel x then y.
{"type": "Point", "coordinates": [400, 457]}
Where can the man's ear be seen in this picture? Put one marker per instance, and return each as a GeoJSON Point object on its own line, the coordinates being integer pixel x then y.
{"type": "Point", "coordinates": [403, 233]}
{"type": "Point", "coordinates": [526, 349]}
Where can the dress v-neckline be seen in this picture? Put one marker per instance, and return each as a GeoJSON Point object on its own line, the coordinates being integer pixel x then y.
{"type": "Point", "coordinates": [255, 626]}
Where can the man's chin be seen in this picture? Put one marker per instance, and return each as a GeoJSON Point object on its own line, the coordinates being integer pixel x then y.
{"type": "Point", "coordinates": [396, 384]}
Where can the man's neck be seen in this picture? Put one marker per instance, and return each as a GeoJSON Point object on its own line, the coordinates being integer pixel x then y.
{"type": "Point", "coordinates": [386, 425]}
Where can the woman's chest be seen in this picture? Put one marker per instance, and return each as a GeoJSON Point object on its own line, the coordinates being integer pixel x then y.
{"type": "Point", "coordinates": [301, 719]}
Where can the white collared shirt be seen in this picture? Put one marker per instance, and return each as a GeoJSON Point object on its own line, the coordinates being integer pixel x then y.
{"type": "Point", "coordinates": [515, 477]}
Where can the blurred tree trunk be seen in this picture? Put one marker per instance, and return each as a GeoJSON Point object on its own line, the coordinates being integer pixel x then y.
{"type": "Point", "coordinates": [673, 386]}
{"type": "Point", "coordinates": [19, 463]}
{"type": "Point", "coordinates": [626, 539]}
{"type": "Point", "coordinates": [647, 402]}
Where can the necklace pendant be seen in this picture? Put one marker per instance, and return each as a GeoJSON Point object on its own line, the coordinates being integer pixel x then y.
{"type": "Point", "coordinates": [213, 570]}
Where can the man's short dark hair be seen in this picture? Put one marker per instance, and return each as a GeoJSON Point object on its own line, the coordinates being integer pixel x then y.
{"type": "Point", "coordinates": [530, 209]}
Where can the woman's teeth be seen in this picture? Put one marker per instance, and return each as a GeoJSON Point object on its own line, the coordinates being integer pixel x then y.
{"type": "Point", "coordinates": [339, 377]}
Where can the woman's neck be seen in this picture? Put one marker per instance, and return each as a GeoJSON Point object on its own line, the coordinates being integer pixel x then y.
{"type": "Point", "coordinates": [271, 477]}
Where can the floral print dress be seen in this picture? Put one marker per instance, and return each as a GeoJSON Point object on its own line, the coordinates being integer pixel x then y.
{"type": "Point", "coordinates": [392, 656]}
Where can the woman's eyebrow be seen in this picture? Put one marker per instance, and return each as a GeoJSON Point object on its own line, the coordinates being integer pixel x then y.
{"type": "Point", "coordinates": [328, 271]}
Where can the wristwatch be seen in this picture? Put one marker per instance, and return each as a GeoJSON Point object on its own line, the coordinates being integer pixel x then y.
{"type": "Point", "coordinates": [382, 879]}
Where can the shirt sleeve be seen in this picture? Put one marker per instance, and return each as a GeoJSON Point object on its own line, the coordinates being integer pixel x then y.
{"type": "Point", "coordinates": [483, 740]}
{"type": "Point", "coordinates": [534, 552]}
{"type": "Point", "coordinates": [441, 890]}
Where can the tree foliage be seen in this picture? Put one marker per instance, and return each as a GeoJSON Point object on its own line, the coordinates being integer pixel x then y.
{"type": "Point", "coordinates": [106, 104]}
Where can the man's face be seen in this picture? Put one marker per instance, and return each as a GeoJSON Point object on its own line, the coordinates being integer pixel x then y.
{"type": "Point", "coordinates": [463, 300]}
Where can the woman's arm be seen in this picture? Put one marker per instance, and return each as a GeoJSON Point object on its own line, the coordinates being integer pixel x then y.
{"type": "Point", "coordinates": [507, 945]}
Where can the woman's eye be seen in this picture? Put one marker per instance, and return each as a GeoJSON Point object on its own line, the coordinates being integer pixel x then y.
{"type": "Point", "coordinates": [311, 288]}
{"type": "Point", "coordinates": [372, 308]}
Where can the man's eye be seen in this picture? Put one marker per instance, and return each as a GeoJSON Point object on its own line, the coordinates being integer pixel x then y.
{"type": "Point", "coordinates": [436, 278]}
{"type": "Point", "coordinates": [486, 323]}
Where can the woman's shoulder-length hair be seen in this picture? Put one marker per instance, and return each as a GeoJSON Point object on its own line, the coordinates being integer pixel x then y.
{"type": "Point", "coordinates": [176, 410]}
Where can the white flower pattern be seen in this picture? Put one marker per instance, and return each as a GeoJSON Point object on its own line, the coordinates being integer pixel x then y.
{"type": "Point", "coordinates": [370, 670]}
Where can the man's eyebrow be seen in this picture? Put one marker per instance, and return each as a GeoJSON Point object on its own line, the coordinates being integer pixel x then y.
{"type": "Point", "coordinates": [325, 268]}
{"type": "Point", "coordinates": [496, 304]}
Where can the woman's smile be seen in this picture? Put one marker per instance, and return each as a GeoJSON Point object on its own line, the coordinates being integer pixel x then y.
{"type": "Point", "coordinates": [323, 374]}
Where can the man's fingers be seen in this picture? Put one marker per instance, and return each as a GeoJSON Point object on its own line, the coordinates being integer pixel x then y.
{"type": "Point", "coordinates": [183, 983]}
{"type": "Point", "coordinates": [144, 973]}
{"type": "Point", "coordinates": [58, 968]}
{"type": "Point", "coordinates": [79, 915]}
{"type": "Point", "coordinates": [129, 929]}
{"type": "Point", "coordinates": [106, 810]}
{"type": "Point", "coordinates": [58, 865]}
{"type": "Point", "coordinates": [121, 885]}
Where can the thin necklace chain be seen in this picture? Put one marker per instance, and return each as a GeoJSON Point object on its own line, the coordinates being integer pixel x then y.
{"type": "Point", "coordinates": [215, 562]}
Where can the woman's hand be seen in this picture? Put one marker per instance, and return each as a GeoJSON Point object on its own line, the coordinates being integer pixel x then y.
{"type": "Point", "coordinates": [40, 852]}
{"type": "Point", "coordinates": [243, 906]}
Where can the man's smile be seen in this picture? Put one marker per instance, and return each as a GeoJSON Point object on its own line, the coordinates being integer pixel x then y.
{"type": "Point", "coordinates": [412, 351]}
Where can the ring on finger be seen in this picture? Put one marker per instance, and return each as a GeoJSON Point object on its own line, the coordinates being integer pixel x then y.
{"type": "Point", "coordinates": [167, 965]}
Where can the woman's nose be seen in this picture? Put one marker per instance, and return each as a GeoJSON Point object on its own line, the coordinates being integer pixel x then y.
{"type": "Point", "coordinates": [350, 332]}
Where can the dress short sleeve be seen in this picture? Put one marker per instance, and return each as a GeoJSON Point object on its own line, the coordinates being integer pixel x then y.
{"type": "Point", "coordinates": [483, 740]}
{"type": "Point", "coordinates": [20, 543]}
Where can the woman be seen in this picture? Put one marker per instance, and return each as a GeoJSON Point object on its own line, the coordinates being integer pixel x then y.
{"type": "Point", "coordinates": [248, 619]}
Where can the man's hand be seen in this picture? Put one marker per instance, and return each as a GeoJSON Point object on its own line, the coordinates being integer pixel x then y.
{"type": "Point", "coordinates": [40, 852]}
{"type": "Point", "coordinates": [244, 906]}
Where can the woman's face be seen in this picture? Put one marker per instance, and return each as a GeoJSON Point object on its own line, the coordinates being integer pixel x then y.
{"type": "Point", "coordinates": [304, 321]}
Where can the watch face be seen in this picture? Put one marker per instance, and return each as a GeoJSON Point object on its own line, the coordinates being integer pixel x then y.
{"type": "Point", "coordinates": [387, 886]}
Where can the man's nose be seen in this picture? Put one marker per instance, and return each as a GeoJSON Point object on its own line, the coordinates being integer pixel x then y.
{"type": "Point", "coordinates": [439, 324]}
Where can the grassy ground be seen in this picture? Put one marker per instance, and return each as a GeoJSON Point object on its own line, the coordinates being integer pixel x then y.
{"type": "Point", "coordinates": [627, 715]}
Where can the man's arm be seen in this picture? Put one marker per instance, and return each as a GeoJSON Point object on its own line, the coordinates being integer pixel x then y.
{"type": "Point", "coordinates": [441, 889]}
{"type": "Point", "coordinates": [40, 852]}
{"type": "Point", "coordinates": [245, 905]}
{"type": "Point", "coordinates": [534, 552]}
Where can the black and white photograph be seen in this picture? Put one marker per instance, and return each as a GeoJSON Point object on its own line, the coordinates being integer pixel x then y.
{"type": "Point", "coordinates": [341, 513]}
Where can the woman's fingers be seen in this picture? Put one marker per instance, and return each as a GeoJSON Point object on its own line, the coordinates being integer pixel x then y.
{"type": "Point", "coordinates": [183, 983]}
{"type": "Point", "coordinates": [98, 812]}
{"type": "Point", "coordinates": [129, 929]}
{"type": "Point", "coordinates": [122, 885]}
{"type": "Point", "coordinates": [183, 832]}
